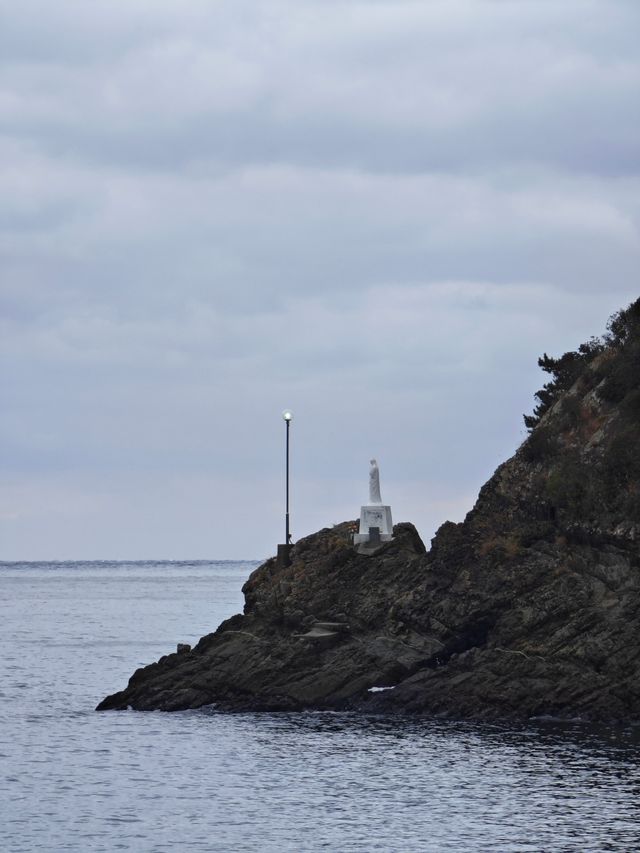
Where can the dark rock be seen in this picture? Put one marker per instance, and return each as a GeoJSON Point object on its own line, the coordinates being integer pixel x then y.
{"type": "Point", "coordinates": [529, 607]}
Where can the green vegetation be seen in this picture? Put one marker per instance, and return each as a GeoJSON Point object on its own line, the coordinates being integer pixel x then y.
{"type": "Point", "coordinates": [572, 487]}
{"type": "Point", "coordinates": [542, 444]}
{"type": "Point", "coordinates": [565, 370]}
{"type": "Point", "coordinates": [603, 490]}
{"type": "Point", "coordinates": [618, 370]}
{"type": "Point", "coordinates": [588, 450]}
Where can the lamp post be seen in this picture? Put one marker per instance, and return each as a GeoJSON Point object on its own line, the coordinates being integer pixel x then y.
{"type": "Point", "coordinates": [284, 551]}
{"type": "Point", "coordinates": [288, 417]}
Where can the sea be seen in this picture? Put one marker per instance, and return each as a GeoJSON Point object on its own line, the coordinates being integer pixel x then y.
{"type": "Point", "coordinates": [72, 779]}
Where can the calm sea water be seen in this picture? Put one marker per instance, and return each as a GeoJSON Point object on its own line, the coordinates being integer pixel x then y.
{"type": "Point", "coordinates": [75, 780]}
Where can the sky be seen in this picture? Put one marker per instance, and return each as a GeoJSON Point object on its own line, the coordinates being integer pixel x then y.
{"type": "Point", "coordinates": [377, 214]}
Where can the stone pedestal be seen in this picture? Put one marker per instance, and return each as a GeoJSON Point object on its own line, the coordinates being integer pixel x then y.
{"type": "Point", "coordinates": [374, 516]}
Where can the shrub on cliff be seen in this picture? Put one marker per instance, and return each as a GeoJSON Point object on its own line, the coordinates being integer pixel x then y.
{"type": "Point", "coordinates": [594, 485]}
{"type": "Point", "coordinates": [565, 371]}
{"type": "Point", "coordinates": [540, 446]}
{"type": "Point", "coordinates": [619, 374]}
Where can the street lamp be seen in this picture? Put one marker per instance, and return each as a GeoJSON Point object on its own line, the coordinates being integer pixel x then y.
{"type": "Point", "coordinates": [284, 551]}
{"type": "Point", "coordinates": [288, 417]}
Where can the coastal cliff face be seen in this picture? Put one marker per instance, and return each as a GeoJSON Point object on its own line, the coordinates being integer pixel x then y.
{"type": "Point", "coordinates": [529, 607]}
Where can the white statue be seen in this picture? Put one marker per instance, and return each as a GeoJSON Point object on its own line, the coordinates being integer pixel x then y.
{"type": "Point", "coordinates": [374, 483]}
{"type": "Point", "coordinates": [376, 525]}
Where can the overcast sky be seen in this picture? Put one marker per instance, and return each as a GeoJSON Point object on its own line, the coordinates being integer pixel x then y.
{"type": "Point", "coordinates": [378, 214]}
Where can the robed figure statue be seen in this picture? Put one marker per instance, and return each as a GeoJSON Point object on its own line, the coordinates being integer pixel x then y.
{"type": "Point", "coordinates": [374, 484]}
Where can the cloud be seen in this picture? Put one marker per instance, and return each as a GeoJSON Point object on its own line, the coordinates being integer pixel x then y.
{"type": "Point", "coordinates": [376, 213]}
{"type": "Point", "coordinates": [370, 86]}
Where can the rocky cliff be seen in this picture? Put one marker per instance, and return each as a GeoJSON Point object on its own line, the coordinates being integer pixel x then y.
{"type": "Point", "coordinates": [531, 606]}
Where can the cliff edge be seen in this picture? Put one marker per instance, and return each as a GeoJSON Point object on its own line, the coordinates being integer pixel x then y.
{"type": "Point", "coordinates": [529, 607]}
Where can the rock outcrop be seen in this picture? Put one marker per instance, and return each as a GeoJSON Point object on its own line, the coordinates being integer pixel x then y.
{"type": "Point", "coordinates": [529, 607]}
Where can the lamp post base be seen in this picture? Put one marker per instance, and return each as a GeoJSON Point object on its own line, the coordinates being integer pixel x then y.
{"type": "Point", "coordinates": [284, 556]}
